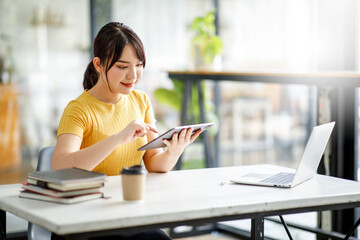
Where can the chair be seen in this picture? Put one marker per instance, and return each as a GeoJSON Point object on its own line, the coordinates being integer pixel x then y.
{"type": "Point", "coordinates": [36, 232]}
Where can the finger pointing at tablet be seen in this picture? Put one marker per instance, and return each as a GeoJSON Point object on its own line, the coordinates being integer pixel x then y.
{"type": "Point", "coordinates": [136, 129]}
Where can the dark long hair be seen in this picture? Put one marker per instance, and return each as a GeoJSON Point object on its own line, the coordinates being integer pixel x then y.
{"type": "Point", "coordinates": [108, 46]}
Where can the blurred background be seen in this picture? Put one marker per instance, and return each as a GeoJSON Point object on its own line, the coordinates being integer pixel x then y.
{"type": "Point", "coordinates": [45, 46]}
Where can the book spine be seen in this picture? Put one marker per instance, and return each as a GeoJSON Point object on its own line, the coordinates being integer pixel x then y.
{"type": "Point", "coordinates": [41, 184]}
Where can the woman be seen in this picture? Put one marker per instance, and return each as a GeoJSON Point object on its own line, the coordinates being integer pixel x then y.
{"type": "Point", "coordinates": [102, 129]}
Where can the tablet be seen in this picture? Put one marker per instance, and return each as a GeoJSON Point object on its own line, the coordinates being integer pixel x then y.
{"type": "Point", "coordinates": [158, 142]}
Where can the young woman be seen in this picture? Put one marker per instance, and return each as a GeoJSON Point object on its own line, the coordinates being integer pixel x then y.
{"type": "Point", "coordinates": [102, 129]}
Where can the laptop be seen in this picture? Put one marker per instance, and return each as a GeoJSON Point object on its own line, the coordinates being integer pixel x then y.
{"type": "Point", "coordinates": [307, 166]}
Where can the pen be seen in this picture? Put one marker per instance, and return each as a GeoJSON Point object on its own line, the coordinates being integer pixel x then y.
{"type": "Point", "coordinates": [224, 181]}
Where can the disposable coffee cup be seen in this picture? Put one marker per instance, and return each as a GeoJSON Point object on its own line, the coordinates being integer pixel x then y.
{"type": "Point", "coordinates": [133, 183]}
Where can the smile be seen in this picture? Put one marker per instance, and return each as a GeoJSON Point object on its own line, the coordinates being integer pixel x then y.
{"type": "Point", "coordinates": [128, 85]}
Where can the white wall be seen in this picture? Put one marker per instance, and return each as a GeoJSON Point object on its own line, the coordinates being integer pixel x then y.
{"type": "Point", "coordinates": [50, 43]}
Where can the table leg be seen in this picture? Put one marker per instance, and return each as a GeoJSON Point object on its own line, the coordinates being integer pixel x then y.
{"type": "Point", "coordinates": [217, 101]}
{"type": "Point", "coordinates": [209, 161]}
{"type": "Point", "coordinates": [187, 93]}
{"type": "Point", "coordinates": [286, 227]}
{"type": "Point", "coordinates": [2, 224]}
{"type": "Point", "coordinates": [183, 116]}
{"type": "Point", "coordinates": [344, 148]}
{"type": "Point", "coordinates": [257, 228]}
{"type": "Point", "coordinates": [208, 156]}
{"type": "Point", "coordinates": [352, 230]}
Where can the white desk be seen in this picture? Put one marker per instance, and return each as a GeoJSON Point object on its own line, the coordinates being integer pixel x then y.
{"type": "Point", "coordinates": [182, 197]}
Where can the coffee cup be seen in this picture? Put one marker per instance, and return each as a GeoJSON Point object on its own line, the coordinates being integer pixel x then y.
{"type": "Point", "coordinates": [133, 182]}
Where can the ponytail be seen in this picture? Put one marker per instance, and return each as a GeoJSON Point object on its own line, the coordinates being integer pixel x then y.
{"type": "Point", "coordinates": [90, 76]}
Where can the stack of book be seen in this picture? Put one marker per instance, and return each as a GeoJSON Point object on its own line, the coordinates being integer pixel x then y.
{"type": "Point", "coordinates": [70, 185]}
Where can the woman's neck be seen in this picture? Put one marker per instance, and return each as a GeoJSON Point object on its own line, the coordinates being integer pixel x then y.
{"type": "Point", "coordinates": [104, 95]}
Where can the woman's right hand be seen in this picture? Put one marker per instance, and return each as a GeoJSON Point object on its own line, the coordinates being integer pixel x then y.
{"type": "Point", "coordinates": [134, 130]}
{"type": "Point", "coordinates": [68, 154]}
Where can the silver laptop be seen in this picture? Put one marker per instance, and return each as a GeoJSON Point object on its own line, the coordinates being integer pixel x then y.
{"type": "Point", "coordinates": [306, 168]}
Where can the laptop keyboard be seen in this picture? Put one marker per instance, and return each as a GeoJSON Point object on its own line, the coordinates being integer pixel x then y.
{"type": "Point", "coordinates": [280, 178]}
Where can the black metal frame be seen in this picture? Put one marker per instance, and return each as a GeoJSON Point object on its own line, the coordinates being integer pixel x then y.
{"type": "Point", "coordinates": [209, 155]}
{"type": "Point", "coordinates": [257, 232]}
{"type": "Point", "coordinates": [344, 147]}
{"type": "Point", "coordinates": [319, 232]}
{"type": "Point", "coordinates": [100, 14]}
{"type": "Point", "coordinates": [2, 225]}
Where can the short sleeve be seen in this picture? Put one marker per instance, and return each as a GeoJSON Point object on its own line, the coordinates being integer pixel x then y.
{"type": "Point", "coordinates": [73, 120]}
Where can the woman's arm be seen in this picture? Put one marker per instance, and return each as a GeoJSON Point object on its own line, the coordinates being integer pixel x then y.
{"type": "Point", "coordinates": [158, 161]}
{"type": "Point", "coordinates": [68, 154]}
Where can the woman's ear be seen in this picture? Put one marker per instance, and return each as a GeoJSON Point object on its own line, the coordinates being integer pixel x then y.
{"type": "Point", "coordinates": [97, 64]}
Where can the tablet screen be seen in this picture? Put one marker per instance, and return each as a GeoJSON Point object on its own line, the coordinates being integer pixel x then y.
{"type": "Point", "coordinates": [158, 142]}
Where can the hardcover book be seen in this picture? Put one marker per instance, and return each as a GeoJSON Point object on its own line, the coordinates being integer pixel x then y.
{"type": "Point", "coordinates": [66, 187]}
{"type": "Point", "coordinates": [67, 176]}
{"type": "Point", "coordinates": [57, 193]}
{"type": "Point", "coordinates": [64, 200]}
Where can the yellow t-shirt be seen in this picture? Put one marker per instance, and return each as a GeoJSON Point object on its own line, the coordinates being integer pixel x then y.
{"type": "Point", "coordinates": [93, 121]}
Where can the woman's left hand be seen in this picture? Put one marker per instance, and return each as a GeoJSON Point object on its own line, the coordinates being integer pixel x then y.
{"type": "Point", "coordinates": [179, 141]}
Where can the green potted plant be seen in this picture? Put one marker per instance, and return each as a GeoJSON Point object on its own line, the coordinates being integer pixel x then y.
{"type": "Point", "coordinates": [205, 45]}
{"type": "Point", "coordinates": [173, 99]}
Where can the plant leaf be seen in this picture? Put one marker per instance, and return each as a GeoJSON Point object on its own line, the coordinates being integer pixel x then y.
{"type": "Point", "coordinates": [168, 97]}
